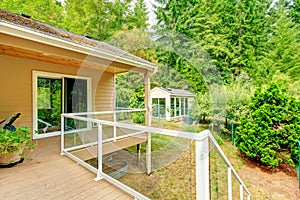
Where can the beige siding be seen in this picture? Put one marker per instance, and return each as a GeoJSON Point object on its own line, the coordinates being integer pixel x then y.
{"type": "Point", "coordinates": [104, 94]}
{"type": "Point", "coordinates": [17, 90]}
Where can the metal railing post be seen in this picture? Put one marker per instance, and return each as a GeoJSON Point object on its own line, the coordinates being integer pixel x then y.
{"type": "Point", "coordinates": [115, 127]}
{"type": "Point", "coordinates": [241, 192]}
{"type": "Point", "coordinates": [202, 169]}
{"type": "Point", "coordinates": [99, 171]}
{"type": "Point", "coordinates": [229, 184]}
{"type": "Point", "coordinates": [62, 134]}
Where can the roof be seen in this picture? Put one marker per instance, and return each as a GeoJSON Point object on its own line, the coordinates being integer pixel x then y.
{"type": "Point", "coordinates": [58, 33]}
{"type": "Point", "coordinates": [176, 92]}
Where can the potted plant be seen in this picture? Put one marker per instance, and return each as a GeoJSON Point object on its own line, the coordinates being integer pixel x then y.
{"type": "Point", "coordinates": [12, 145]}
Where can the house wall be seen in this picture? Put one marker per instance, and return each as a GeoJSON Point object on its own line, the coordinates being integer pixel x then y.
{"type": "Point", "coordinates": [16, 86]}
{"type": "Point", "coordinates": [155, 93]}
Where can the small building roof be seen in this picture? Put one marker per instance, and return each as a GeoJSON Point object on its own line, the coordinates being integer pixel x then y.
{"type": "Point", "coordinates": [22, 22]}
{"type": "Point", "coordinates": [176, 92]}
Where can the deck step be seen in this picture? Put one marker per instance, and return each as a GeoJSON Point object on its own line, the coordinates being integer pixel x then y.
{"type": "Point", "coordinates": [88, 153]}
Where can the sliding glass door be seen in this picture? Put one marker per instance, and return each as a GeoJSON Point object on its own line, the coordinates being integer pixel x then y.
{"type": "Point", "coordinates": [75, 101]}
{"type": "Point", "coordinates": [55, 94]}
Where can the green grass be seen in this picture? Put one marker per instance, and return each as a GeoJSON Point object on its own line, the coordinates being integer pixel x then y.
{"type": "Point", "coordinates": [176, 179]}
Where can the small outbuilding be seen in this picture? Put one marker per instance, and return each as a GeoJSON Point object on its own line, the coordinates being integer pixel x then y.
{"type": "Point", "coordinates": [170, 103]}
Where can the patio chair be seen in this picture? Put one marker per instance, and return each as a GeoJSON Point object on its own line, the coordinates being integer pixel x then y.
{"type": "Point", "coordinates": [7, 123]}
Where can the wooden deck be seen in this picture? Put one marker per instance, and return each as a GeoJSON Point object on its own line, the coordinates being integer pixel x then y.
{"type": "Point", "coordinates": [47, 175]}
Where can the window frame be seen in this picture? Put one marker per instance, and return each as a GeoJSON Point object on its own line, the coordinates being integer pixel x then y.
{"type": "Point", "coordinates": [42, 74]}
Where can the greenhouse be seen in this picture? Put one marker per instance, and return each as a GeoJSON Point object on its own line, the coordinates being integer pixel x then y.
{"type": "Point", "coordinates": [170, 103]}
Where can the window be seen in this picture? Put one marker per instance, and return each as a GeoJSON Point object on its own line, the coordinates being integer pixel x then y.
{"type": "Point", "coordinates": [155, 107]}
{"type": "Point", "coordinates": [158, 107]}
{"type": "Point", "coordinates": [177, 102]}
{"type": "Point", "coordinates": [181, 106]}
{"type": "Point", "coordinates": [172, 109]}
{"type": "Point", "coordinates": [162, 108]}
{"type": "Point", "coordinates": [55, 94]}
{"type": "Point", "coordinates": [186, 111]}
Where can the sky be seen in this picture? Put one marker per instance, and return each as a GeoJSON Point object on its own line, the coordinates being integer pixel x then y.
{"type": "Point", "coordinates": [151, 14]}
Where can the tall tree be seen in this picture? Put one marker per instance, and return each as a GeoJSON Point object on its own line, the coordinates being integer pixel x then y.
{"type": "Point", "coordinates": [294, 9]}
{"type": "Point", "coordinates": [101, 19]}
{"type": "Point", "coordinates": [234, 33]}
{"type": "Point", "coordinates": [138, 17]}
{"type": "Point", "coordinates": [284, 45]}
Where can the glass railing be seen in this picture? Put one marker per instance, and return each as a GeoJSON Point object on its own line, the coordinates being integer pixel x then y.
{"type": "Point", "coordinates": [148, 162]}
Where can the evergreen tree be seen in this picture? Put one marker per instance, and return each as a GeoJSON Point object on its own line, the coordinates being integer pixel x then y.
{"type": "Point", "coordinates": [232, 32]}
{"type": "Point", "coordinates": [284, 45]}
{"type": "Point", "coordinates": [138, 18]}
{"type": "Point", "coordinates": [101, 19]}
{"type": "Point", "coordinates": [271, 127]}
{"type": "Point", "coordinates": [294, 9]}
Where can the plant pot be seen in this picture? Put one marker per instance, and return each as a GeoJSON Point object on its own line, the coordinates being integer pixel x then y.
{"type": "Point", "coordinates": [11, 159]}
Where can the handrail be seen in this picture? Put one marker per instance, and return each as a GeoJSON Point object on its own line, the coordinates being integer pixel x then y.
{"type": "Point", "coordinates": [174, 133]}
{"type": "Point", "coordinates": [223, 156]}
{"type": "Point", "coordinates": [200, 138]}
{"type": "Point", "coordinates": [103, 112]}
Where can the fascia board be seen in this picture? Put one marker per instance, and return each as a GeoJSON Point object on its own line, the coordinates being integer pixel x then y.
{"type": "Point", "coordinates": [52, 41]}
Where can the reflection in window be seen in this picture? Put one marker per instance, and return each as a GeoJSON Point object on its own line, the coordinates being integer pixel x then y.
{"type": "Point", "coordinates": [49, 104]}
{"type": "Point", "coordinates": [56, 96]}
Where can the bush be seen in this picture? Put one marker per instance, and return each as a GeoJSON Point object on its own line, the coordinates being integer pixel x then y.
{"type": "Point", "coordinates": [138, 117]}
{"type": "Point", "coordinates": [273, 126]}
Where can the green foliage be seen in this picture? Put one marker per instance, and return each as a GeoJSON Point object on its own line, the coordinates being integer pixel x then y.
{"type": "Point", "coordinates": [101, 19]}
{"type": "Point", "coordinates": [137, 101]}
{"type": "Point", "coordinates": [204, 106]}
{"type": "Point", "coordinates": [238, 96]}
{"type": "Point", "coordinates": [138, 117]}
{"type": "Point", "coordinates": [47, 11]}
{"type": "Point", "coordinates": [272, 126]}
{"type": "Point", "coordinates": [233, 33]}
{"type": "Point", "coordinates": [14, 141]}
{"type": "Point", "coordinates": [283, 46]}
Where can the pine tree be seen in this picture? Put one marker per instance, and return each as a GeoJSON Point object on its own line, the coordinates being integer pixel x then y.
{"type": "Point", "coordinates": [138, 17]}
{"type": "Point", "coordinates": [234, 33]}
{"type": "Point", "coordinates": [284, 45]}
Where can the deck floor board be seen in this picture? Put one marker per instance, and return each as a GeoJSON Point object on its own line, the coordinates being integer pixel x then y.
{"type": "Point", "coordinates": [47, 175]}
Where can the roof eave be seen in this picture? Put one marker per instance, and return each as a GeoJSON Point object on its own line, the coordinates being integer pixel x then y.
{"type": "Point", "coordinates": [28, 34]}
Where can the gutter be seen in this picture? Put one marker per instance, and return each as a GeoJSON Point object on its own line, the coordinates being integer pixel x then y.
{"type": "Point", "coordinates": [28, 34]}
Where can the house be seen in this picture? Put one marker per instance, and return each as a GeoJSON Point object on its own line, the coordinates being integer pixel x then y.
{"type": "Point", "coordinates": [46, 71]}
{"type": "Point", "coordinates": [170, 103]}
{"type": "Point", "coordinates": [63, 85]}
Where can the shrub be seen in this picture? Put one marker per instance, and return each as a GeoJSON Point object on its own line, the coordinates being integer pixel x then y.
{"type": "Point", "coordinates": [138, 117]}
{"type": "Point", "coordinates": [272, 126]}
